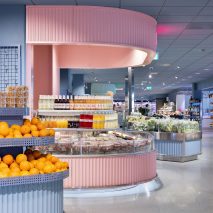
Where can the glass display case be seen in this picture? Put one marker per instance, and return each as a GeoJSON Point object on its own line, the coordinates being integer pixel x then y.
{"type": "Point", "coordinates": [105, 158]}
{"type": "Point", "coordinates": [99, 142]}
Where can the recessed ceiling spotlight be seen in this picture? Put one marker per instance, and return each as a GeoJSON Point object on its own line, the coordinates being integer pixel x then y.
{"type": "Point", "coordinates": [141, 84]}
{"type": "Point", "coordinates": [109, 82]}
{"type": "Point", "coordinates": [176, 77]}
{"type": "Point", "coordinates": [178, 67]}
{"type": "Point", "coordinates": [150, 76]}
{"type": "Point", "coordinates": [197, 73]}
{"type": "Point", "coordinates": [165, 65]}
{"type": "Point", "coordinates": [206, 69]}
{"type": "Point", "coordinates": [96, 80]}
{"type": "Point", "coordinates": [164, 84]}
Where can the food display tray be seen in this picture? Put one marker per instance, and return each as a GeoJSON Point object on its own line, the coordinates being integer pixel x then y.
{"type": "Point", "coordinates": [33, 179]}
{"type": "Point", "coordinates": [34, 141]}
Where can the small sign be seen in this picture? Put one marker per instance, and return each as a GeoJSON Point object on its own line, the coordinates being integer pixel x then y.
{"type": "Point", "coordinates": [149, 87]}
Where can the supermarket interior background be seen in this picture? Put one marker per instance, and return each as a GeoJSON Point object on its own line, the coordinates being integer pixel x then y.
{"type": "Point", "coordinates": [112, 106]}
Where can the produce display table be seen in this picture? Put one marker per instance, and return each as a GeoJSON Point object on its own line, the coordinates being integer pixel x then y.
{"type": "Point", "coordinates": [35, 193]}
{"type": "Point", "coordinates": [180, 147]}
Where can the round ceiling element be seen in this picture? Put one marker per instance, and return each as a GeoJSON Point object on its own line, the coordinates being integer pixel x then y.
{"type": "Point", "coordinates": [93, 37]}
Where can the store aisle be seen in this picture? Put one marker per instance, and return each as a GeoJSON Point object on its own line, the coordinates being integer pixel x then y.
{"type": "Point", "coordinates": [188, 187]}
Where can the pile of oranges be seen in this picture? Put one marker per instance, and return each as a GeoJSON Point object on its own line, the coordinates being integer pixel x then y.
{"type": "Point", "coordinates": [33, 128]}
{"type": "Point", "coordinates": [30, 163]}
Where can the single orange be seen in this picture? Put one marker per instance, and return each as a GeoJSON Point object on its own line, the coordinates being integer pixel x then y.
{"type": "Point", "coordinates": [54, 159]}
{"type": "Point", "coordinates": [51, 132]}
{"type": "Point", "coordinates": [43, 133]}
{"type": "Point", "coordinates": [25, 129]}
{"type": "Point", "coordinates": [65, 165]}
{"type": "Point", "coordinates": [34, 171]}
{"type": "Point", "coordinates": [35, 133]}
{"type": "Point", "coordinates": [20, 158]}
{"type": "Point", "coordinates": [27, 122]}
{"type": "Point", "coordinates": [43, 159]}
{"type": "Point", "coordinates": [4, 124]}
{"type": "Point", "coordinates": [15, 169]}
{"type": "Point", "coordinates": [49, 156]}
{"type": "Point", "coordinates": [5, 170]}
{"type": "Point", "coordinates": [40, 126]}
{"type": "Point", "coordinates": [49, 168]}
{"type": "Point", "coordinates": [16, 127]}
{"type": "Point", "coordinates": [34, 162]}
{"type": "Point", "coordinates": [58, 165]}
{"type": "Point", "coordinates": [14, 165]}
{"type": "Point", "coordinates": [35, 120]}
{"type": "Point", "coordinates": [18, 136]}
{"type": "Point", "coordinates": [8, 159]}
{"type": "Point", "coordinates": [3, 165]}
{"type": "Point", "coordinates": [40, 165]}
{"type": "Point", "coordinates": [4, 130]}
{"type": "Point", "coordinates": [33, 128]}
{"type": "Point", "coordinates": [25, 166]}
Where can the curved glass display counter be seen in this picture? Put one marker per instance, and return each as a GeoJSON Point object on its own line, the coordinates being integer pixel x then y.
{"type": "Point", "coordinates": [105, 159]}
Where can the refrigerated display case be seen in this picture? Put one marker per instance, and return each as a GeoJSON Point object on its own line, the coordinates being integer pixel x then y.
{"type": "Point", "coordinates": [103, 159]}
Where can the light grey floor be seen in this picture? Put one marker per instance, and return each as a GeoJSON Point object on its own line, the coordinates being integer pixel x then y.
{"type": "Point", "coordinates": [188, 187]}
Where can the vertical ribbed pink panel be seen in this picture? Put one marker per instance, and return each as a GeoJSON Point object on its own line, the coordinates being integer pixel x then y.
{"type": "Point", "coordinates": [88, 172]}
{"type": "Point", "coordinates": [84, 24]}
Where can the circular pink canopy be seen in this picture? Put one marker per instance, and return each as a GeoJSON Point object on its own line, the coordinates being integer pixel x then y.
{"type": "Point", "coordinates": [93, 37]}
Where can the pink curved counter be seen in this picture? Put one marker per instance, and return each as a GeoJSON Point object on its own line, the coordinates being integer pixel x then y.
{"type": "Point", "coordinates": [110, 171]}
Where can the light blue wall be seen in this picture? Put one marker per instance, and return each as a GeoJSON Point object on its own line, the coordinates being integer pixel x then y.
{"type": "Point", "coordinates": [206, 84]}
{"type": "Point", "coordinates": [12, 30]}
{"type": "Point", "coordinates": [78, 84]}
{"type": "Point", "coordinates": [65, 81]}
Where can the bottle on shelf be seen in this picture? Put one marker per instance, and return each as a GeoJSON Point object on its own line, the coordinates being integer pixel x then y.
{"type": "Point", "coordinates": [56, 102]}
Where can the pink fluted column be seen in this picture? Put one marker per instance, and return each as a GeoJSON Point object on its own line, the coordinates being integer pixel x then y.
{"type": "Point", "coordinates": [55, 72]}
{"type": "Point", "coordinates": [29, 74]}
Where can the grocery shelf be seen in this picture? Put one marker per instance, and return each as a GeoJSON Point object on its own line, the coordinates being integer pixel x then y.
{"type": "Point", "coordinates": [84, 129]}
{"type": "Point", "coordinates": [14, 111]}
{"type": "Point", "coordinates": [34, 141]}
{"type": "Point", "coordinates": [32, 179]}
{"type": "Point", "coordinates": [72, 112]}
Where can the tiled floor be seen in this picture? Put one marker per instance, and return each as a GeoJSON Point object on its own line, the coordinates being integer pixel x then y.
{"type": "Point", "coordinates": [188, 187]}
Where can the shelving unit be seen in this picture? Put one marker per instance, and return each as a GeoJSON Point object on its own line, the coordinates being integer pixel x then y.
{"type": "Point", "coordinates": [71, 112]}
{"type": "Point", "coordinates": [194, 111]}
{"type": "Point", "coordinates": [211, 109]}
{"type": "Point", "coordinates": [29, 193]}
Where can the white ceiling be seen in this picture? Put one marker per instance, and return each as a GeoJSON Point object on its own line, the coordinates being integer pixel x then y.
{"type": "Point", "coordinates": [185, 41]}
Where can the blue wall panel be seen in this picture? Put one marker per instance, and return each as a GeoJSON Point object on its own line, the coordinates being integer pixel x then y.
{"type": "Point", "coordinates": [12, 30]}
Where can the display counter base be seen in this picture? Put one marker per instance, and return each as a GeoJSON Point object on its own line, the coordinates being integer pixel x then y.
{"type": "Point", "coordinates": [143, 189]}
{"type": "Point", "coordinates": [177, 158]}
{"type": "Point", "coordinates": [178, 147]}
{"type": "Point", "coordinates": [33, 198]}
{"type": "Point", "coordinates": [34, 194]}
